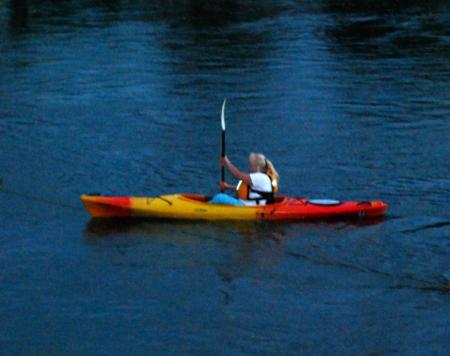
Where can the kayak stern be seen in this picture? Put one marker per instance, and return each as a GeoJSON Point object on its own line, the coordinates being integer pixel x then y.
{"type": "Point", "coordinates": [107, 207]}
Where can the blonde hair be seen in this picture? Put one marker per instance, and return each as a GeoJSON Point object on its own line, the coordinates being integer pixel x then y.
{"type": "Point", "coordinates": [260, 161]}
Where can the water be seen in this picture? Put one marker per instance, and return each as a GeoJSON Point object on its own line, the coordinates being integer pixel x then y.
{"type": "Point", "coordinates": [350, 101]}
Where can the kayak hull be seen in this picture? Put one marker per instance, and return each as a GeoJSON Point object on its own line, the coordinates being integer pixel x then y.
{"type": "Point", "coordinates": [196, 207]}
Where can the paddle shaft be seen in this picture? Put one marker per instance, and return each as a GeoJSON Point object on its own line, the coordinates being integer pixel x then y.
{"type": "Point", "coordinates": [222, 123]}
{"type": "Point", "coordinates": [223, 156]}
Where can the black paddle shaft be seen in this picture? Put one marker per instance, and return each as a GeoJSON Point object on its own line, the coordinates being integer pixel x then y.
{"type": "Point", "coordinates": [223, 155]}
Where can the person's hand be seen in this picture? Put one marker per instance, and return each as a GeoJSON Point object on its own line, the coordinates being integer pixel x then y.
{"type": "Point", "coordinates": [225, 186]}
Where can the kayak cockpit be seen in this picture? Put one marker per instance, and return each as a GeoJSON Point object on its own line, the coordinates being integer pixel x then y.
{"type": "Point", "coordinates": [206, 198]}
{"type": "Point", "coordinates": [196, 197]}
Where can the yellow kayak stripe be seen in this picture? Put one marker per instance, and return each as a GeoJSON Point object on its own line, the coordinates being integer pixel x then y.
{"type": "Point", "coordinates": [179, 207]}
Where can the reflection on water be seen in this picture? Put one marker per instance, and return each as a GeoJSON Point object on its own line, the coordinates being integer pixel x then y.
{"type": "Point", "coordinates": [19, 15]}
{"type": "Point", "coordinates": [251, 231]}
{"type": "Point", "coordinates": [248, 245]}
{"type": "Point", "coordinates": [169, 230]}
{"type": "Point", "coordinates": [390, 29]}
{"type": "Point", "coordinates": [397, 37]}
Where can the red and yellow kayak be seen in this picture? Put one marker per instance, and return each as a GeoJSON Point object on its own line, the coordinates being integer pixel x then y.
{"type": "Point", "coordinates": [196, 207]}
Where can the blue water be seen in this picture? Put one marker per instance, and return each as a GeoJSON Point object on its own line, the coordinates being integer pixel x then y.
{"type": "Point", "coordinates": [350, 100]}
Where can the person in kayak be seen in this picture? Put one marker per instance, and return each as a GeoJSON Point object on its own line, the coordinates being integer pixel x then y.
{"type": "Point", "coordinates": [255, 188]}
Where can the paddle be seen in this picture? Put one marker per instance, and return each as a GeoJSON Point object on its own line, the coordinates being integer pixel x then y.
{"type": "Point", "coordinates": [222, 121]}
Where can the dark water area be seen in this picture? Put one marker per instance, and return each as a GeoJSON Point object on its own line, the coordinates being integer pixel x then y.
{"type": "Point", "coordinates": [350, 100]}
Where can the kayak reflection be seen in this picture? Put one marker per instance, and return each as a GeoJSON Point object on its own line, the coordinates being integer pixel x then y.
{"type": "Point", "coordinates": [230, 250]}
{"type": "Point", "coordinates": [170, 229]}
{"type": "Point", "coordinates": [250, 230]}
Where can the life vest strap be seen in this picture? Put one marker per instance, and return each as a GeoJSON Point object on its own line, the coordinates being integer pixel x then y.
{"type": "Point", "coordinates": [269, 197]}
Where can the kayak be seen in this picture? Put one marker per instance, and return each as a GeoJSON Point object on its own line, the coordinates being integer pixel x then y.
{"type": "Point", "coordinates": [196, 207]}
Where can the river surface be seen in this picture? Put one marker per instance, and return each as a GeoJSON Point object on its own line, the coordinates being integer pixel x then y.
{"type": "Point", "coordinates": [349, 99]}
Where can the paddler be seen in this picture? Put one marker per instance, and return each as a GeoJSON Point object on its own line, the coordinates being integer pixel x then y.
{"type": "Point", "coordinates": [255, 188]}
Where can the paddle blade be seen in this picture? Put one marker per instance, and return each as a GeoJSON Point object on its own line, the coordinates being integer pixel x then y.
{"type": "Point", "coordinates": [222, 118]}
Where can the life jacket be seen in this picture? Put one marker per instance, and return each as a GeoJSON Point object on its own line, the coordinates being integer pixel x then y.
{"type": "Point", "coordinates": [243, 191]}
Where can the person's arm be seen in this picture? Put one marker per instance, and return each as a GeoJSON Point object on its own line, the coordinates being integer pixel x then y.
{"type": "Point", "coordinates": [235, 171]}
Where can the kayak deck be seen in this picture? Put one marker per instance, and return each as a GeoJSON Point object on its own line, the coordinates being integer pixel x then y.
{"type": "Point", "coordinates": [196, 207]}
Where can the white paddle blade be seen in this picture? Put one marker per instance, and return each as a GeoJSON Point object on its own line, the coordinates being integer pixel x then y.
{"type": "Point", "coordinates": [222, 118]}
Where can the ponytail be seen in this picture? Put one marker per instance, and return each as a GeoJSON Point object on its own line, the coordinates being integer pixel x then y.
{"type": "Point", "coordinates": [271, 170]}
